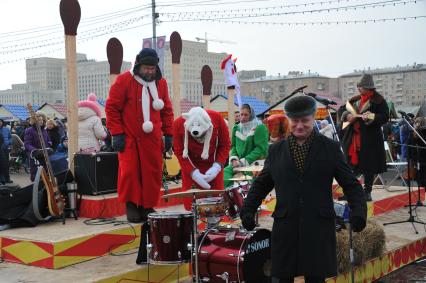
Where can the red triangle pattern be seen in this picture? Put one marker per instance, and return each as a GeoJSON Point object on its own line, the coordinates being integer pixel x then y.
{"type": "Point", "coordinates": [48, 247]}
{"type": "Point", "coordinates": [7, 242]}
{"type": "Point", "coordinates": [46, 262]}
{"type": "Point", "coordinates": [10, 257]}
{"type": "Point", "coordinates": [98, 245]}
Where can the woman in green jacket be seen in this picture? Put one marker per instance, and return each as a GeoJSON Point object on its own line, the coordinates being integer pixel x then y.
{"type": "Point", "coordinates": [249, 142]}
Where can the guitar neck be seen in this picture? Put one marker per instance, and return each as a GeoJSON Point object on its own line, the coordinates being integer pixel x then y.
{"type": "Point", "coordinates": [45, 154]}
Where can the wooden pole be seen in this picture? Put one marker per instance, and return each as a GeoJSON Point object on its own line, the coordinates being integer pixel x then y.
{"type": "Point", "coordinates": [206, 102]}
{"type": "Point", "coordinates": [231, 109]}
{"type": "Point", "coordinates": [176, 50]}
{"type": "Point", "coordinates": [112, 78]}
{"type": "Point", "coordinates": [176, 89]}
{"type": "Point", "coordinates": [70, 15]}
{"type": "Point", "coordinates": [72, 96]}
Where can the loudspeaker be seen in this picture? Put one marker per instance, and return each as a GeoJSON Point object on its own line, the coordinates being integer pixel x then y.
{"type": "Point", "coordinates": [96, 173]}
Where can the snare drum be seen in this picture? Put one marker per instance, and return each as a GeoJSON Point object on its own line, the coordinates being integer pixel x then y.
{"type": "Point", "coordinates": [232, 255]}
{"type": "Point", "coordinates": [234, 198]}
{"type": "Point", "coordinates": [170, 234]}
{"type": "Point", "coordinates": [211, 207]}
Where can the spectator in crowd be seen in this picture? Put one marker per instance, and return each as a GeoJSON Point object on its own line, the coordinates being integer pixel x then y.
{"type": "Point", "coordinates": [63, 146]}
{"type": "Point", "coordinates": [327, 129]}
{"type": "Point", "coordinates": [7, 142]}
{"type": "Point", "coordinates": [3, 162]}
{"type": "Point", "coordinates": [61, 127]}
{"type": "Point", "coordinates": [237, 117]}
{"type": "Point", "coordinates": [33, 144]}
{"type": "Point", "coordinates": [54, 135]}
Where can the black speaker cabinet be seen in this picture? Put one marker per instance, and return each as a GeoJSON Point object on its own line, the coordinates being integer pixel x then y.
{"type": "Point", "coordinates": [96, 173]}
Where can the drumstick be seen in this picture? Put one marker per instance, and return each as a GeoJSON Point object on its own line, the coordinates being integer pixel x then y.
{"type": "Point", "coordinates": [115, 58]}
{"type": "Point", "coordinates": [206, 81]}
{"type": "Point", "coordinates": [70, 15]}
{"type": "Point", "coordinates": [176, 49]}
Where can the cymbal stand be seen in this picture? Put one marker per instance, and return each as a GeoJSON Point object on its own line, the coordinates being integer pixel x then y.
{"type": "Point", "coordinates": [195, 231]}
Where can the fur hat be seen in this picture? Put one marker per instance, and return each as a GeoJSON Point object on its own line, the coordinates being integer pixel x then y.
{"type": "Point", "coordinates": [366, 82]}
{"type": "Point", "coordinates": [300, 106]}
{"type": "Point", "coordinates": [91, 103]}
{"type": "Point", "coordinates": [147, 56]}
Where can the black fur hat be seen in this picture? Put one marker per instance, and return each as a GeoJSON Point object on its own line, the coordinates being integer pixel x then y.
{"type": "Point", "coordinates": [300, 106]}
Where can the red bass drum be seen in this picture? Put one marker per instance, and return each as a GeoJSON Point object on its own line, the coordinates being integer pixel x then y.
{"type": "Point", "coordinates": [232, 255]}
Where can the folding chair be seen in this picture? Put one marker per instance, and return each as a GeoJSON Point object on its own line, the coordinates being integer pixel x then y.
{"type": "Point", "coordinates": [392, 165]}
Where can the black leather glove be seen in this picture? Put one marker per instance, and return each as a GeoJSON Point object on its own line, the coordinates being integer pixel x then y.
{"type": "Point", "coordinates": [248, 221]}
{"type": "Point", "coordinates": [118, 142]}
{"type": "Point", "coordinates": [168, 142]}
{"type": "Point", "coordinates": [358, 223]}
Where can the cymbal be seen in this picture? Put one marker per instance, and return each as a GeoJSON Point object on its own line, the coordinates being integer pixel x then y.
{"type": "Point", "coordinates": [241, 178]}
{"type": "Point", "coordinates": [254, 168]}
{"type": "Point", "coordinates": [196, 192]}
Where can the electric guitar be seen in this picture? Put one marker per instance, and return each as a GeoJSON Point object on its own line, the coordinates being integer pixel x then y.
{"type": "Point", "coordinates": [55, 200]}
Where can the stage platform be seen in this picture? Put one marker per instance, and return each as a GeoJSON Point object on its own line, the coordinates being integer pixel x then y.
{"type": "Point", "coordinates": [88, 248]}
{"type": "Point", "coordinates": [108, 205]}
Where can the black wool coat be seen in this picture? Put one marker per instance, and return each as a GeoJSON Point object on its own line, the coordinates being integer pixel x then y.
{"type": "Point", "coordinates": [303, 233]}
{"type": "Point", "coordinates": [372, 157]}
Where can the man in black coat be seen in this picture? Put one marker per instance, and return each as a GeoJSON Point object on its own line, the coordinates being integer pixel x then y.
{"type": "Point", "coordinates": [302, 169]}
{"type": "Point", "coordinates": [363, 139]}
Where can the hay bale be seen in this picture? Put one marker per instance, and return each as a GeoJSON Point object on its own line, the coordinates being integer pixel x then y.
{"type": "Point", "coordinates": [368, 244]}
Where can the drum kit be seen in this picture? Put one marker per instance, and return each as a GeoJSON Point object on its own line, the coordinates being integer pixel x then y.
{"type": "Point", "coordinates": [218, 253]}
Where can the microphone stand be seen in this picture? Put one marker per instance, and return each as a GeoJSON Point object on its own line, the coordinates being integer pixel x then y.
{"type": "Point", "coordinates": [411, 218]}
{"type": "Point", "coordinates": [415, 132]}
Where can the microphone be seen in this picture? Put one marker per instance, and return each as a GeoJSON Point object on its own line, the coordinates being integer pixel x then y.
{"type": "Point", "coordinates": [402, 113]}
{"type": "Point", "coordinates": [300, 89]}
{"type": "Point", "coordinates": [323, 100]}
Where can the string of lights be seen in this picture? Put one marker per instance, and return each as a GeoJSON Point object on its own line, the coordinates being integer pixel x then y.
{"type": "Point", "coordinates": [237, 15]}
{"type": "Point", "coordinates": [42, 42]}
{"type": "Point", "coordinates": [364, 21]}
{"type": "Point", "coordinates": [252, 9]}
{"type": "Point", "coordinates": [84, 22]}
{"type": "Point", "coordinates": [80, 41]}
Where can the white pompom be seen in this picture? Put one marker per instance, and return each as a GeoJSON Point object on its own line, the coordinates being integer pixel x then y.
{"type": "Point", "coordinates": [147, 127]}
{"type": "Point", "coordinates": [158, 104]}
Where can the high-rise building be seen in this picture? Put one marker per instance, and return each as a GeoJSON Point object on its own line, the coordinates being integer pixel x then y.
{"type": "Point", "coordinates": [194, 56]}
{"type": "Point", "coordinates": [93, 76]}
{"type": "Point", "coordinates": [271, 89]}
{"type": "Point", "coordinates": [46, 81]}
{"type": "Point", "coordinates": [405, 86]}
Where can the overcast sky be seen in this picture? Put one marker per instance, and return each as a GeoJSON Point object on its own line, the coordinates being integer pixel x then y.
{"type": "Point", "coordinates": [327, 49]}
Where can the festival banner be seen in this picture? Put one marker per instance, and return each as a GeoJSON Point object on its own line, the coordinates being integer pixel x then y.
{"type": "Point", "coordinates": [161, 42]}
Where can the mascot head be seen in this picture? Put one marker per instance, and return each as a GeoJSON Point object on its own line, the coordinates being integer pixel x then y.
{"type": "Point", "coordinates": [199, 125]}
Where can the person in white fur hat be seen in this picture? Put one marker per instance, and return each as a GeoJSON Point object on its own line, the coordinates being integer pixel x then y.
{"type": "Point", "coordinates": [139, 115]}
{"type": "Point", "coordinates": [90, 129]}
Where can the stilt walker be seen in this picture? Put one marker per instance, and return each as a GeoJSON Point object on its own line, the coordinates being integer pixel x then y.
{"type": "Point", "coordinates": [115, 58]}
{"type": "Point", "coordinates": [176, 49]}
{"type": "Point", "coordinates": [206, 81]}
{"type": "Point", "coordinates": [70, 15]}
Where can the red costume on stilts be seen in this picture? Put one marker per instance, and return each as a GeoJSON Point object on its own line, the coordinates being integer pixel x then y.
{"type": "Point", "coordinates": [141, 163]}
{"type": "Point", "coordinates": [220, 146]}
